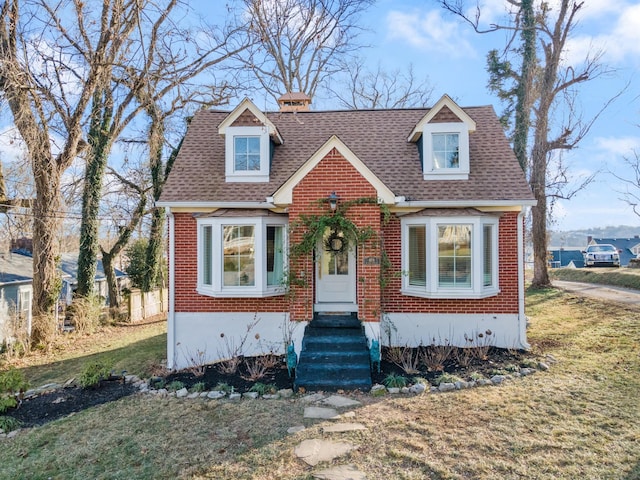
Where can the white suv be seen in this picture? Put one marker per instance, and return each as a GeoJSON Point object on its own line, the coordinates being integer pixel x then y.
{"type": "Point", "coordinates": [601, 255]}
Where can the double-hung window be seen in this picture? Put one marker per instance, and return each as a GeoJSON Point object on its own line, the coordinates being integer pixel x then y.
{"type": "Point", "coordinates": [241, 256]}
{"type": "Point", "coordinates": [450, 257]}
{"type": "Point", "coordinates": [247, 156]}
{"type": "Point", "coordinates": [445, 151]}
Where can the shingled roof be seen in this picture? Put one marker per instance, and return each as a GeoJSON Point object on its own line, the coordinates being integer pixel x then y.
{"type": "Point", "coordinates": [377, 137]}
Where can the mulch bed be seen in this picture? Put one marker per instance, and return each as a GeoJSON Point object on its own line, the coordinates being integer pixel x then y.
{"type": "Point", "coordinates": [51, 406]}
{"type": "Point", "coordinates": [47, 407]}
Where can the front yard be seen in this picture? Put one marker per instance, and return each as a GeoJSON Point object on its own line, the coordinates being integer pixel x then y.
{"type": "Point", "coordinates": [581, 419]}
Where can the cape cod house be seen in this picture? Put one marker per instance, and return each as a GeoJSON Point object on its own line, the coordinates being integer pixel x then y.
{"type": "Point", "coordinates": [410, 221]}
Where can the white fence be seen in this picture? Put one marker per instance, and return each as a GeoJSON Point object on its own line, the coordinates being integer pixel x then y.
{"type": "Point", "coordinates": [147, 305]}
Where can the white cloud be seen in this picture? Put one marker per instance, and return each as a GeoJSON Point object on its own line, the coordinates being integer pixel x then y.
{"type": "Point", "coordinates": [429, 31]}
{"type": "Point", "coordinates": [620, 44]}
{"type": "Point", "coordinates": [618, 146]}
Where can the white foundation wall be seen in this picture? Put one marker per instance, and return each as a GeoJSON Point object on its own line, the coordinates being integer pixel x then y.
{"type": "Point", "coordinates": [414, 329]}
{"type": "Point", "coordinates": [202, 338]}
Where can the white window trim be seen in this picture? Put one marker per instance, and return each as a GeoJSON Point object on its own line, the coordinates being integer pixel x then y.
{"type": "Point", "coordinates": [260, 289]}
{"type": "Point", "coordinates": [430, 170]}
{"type": "Point", "coordinates": [432, 289]}
{"type": "Point", "coordinates": [262, 175]}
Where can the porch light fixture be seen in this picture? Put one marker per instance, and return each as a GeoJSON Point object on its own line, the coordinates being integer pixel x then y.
{"type": "Point", "coordinates": [333, 201]}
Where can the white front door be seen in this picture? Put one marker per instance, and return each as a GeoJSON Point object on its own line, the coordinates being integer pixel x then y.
{"type": "Point", "coordinates": [335, 274]}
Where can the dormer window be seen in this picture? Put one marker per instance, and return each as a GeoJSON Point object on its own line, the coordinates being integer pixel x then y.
{"type": "Point", "coordinates": [445, 151]}
{"type": "Point", "coordinates": [442, 136]}
{"type": "Point", "coordinates": [247, 154]}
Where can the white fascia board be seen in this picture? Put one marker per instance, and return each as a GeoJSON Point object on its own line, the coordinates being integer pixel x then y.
{"type": "Point", "coordinates": [247, 104]}
{"type": "Point", "coordinates": [445, 100]}
{"type": "Point", "coordinates": [265, 205]}
{"type": "Point", "coordinates": [467, 203]}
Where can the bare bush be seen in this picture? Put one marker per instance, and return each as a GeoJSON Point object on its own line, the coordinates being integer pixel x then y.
{"type": "Point", "coordinates": [464, 356]}
{"type": "Point", "coordinates": [231, 352]}
{"type": "Point", "coordinates": [406, 358]}
{"type": "Point", "coordinates": [85, 314]}
{"type": "Point", "coordinates": [479, 344]}
{"type": "Point", "coordinates": [434, 356]}
{"type": "Point", "coordinates": [257, 367]}
{"type": "Point", "coordinates": [16, 334]}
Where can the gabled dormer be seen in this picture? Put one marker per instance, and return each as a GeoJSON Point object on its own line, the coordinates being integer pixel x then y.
{"type": "Point", "coordinates": [442, 137]}
{"type": "Point", "coordinates": [249, 140]}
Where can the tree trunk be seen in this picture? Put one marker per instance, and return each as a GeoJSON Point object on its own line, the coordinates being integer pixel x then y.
{"type": "Point", "coordinates": [46, 225]}
{"type": "Point", "coordinates": [99, 142]}
{"type": "Point", "coordinates": [523, 90]}
{"type": "Point", "coordinates": [112, 284]}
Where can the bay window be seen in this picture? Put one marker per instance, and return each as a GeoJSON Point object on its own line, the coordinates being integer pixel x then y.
{"type": "Point", "coordinates": [241, 257]}
{"type": "Point", "coordinates": [450, 257]}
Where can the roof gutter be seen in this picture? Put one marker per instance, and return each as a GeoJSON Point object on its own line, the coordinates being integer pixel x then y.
{"type": "Point", "coordinates": [265, 205]}
{"type": "Point", "coordinates": [466, 203]}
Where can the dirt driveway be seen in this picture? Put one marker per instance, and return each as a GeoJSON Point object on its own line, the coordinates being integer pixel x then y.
{"type": "Point", "coordinates": [602, 292]}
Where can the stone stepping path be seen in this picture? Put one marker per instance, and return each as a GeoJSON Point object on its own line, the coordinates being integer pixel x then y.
{"type": "Point", "coordinates": [341, 472]}
{"type": "Point", "coordinates": [315, 451]}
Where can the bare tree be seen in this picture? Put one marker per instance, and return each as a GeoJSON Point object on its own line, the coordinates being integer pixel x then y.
{"type": "Point", "coordinates": [553, 88]}
{"type": "Point", "coordinates": [380, 89]}
{"type": "Point", "coordinates": [297, 44]}
{"type": "Point", "coordinates": [154, 60]}
{"type": "Point", "coordinates": [48, 99]}
{"type": "Point", "coordinates": [631, 191]}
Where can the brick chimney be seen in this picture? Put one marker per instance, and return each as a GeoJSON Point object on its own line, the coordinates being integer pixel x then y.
{"type": "Point", "coordinates": [294, 102]}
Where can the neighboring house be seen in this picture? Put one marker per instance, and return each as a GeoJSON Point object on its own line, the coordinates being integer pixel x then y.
{"type": "Point", "coordinates": [16, 293]}
{"type": "Point", "coordinates": [566, 257]}
{"type": "Point", "coordinates": [629, 248]}
{"type": "Point", "coordinates": [443, 261]}
{"type": "Point", "coordinates": [16, 290]}
{"type": "Point", "coordinates": [69, 268]}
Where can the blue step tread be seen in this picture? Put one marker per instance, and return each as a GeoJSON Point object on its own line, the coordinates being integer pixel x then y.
{"type": "Point", "coordinates": [334, 355]}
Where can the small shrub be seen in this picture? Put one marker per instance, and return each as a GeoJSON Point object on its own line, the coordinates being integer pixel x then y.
{"type": "Point", "coordinates": [157, 383]}
{"type": "Point", "coordinates": [393, 380]}
{"type": "Point", "coordinates": [421, 380]}
{"type": "Point", "coordinates": [93, 374]}
{"type": "Point", "coordinates": [528, 363]}
{"type": "Point", "coordinates": [512, 368]}
{"type": "Point", "coordinates": [175, 386]}
{"type": "Point", "coordinates": [9, 424]}
{"type": "Point", "coordinates": [475, 376]}
{"type": "Point", "coordinates": [446, 378]}
{"type": "Point", "coordinates": [464, 357]}
{"type": "Point", "coordinates": [223, 387]}
{"type": "Point", "coordinates": [85, 314]}
{"type": "Point", "coordinates": [406, 358]}
{"type": "Point", "coordinates": [434, 356]}
{"type": "Point", "coordinates": [263, 389]}
{"type": "Point", "coordinates": [257, 367]}
{"type": "Point", "coordinates": [229, 366]}
{"type": "Point", "coordinates": [7, 402]}
{"type": "Point", "coordinates": [12, 381]}
{"type": "Point", "coordinates": [498, 371]}
{"type": "Point", "coordinates": [198, 387]}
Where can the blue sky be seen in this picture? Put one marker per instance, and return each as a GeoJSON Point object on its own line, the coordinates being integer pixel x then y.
{"type": "Point", "coordinates": [452, 56]}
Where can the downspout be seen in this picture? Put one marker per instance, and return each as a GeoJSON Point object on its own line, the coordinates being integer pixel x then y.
{"type": "Point", "coordinates": [522, 318]}
{"type": "Point", "coordinates": [171, 324]}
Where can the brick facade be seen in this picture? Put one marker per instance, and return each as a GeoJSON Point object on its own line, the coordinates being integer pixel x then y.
{"type": "Point", "coordinates": [335, 173]}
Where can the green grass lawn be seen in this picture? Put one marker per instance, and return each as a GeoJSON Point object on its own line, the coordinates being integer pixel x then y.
{"type": "Point", "coordinates": [579, 420]}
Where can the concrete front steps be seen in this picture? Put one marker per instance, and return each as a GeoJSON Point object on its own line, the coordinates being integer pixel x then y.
{"type": "Point", "coordinates": [334, 355]}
